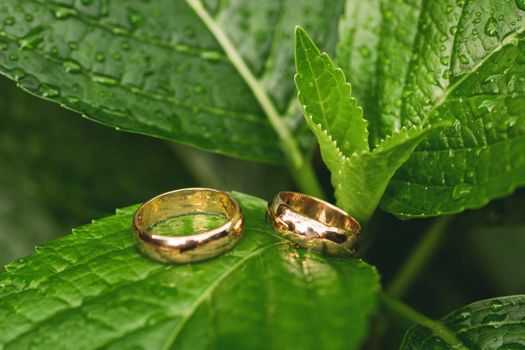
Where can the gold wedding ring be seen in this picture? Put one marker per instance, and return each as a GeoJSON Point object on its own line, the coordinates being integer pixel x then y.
{"type": "Point", "coordinates": [189, 248]}
{"type": "Point", "coordinates": [315, 224]}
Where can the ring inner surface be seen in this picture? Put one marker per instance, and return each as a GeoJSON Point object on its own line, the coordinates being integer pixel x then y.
{"type": "Point", "coordinates": [186, 212]}
{"type": "Point", "coordinates": [318, 210]}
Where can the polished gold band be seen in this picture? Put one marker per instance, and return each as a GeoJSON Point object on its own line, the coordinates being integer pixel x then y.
{"type": "Point", "coordinates": [314, 224]}
{"type": "Point", "coordinates": [189, 248]}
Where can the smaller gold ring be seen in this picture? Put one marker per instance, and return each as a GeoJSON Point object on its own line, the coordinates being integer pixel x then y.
{"type": "Point", "coordinates": [188, 248]}
{"type": "Point", "coordinates": [315, 224]}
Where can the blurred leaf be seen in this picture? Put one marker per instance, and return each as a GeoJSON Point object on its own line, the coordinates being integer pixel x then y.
{"type": "Point", "coordinates": [494, 242]}
{"type": "Point", "coordinates": [58, 171]}
{"type": "Point", "coordinates": [93, 289]}
{"type": "Point", "coordinates": [488, 324]}
{"type": "Point", "coordinates": [500, 252]}
{"type": "Point", "coordinates": [230, 174]}
{"type": "Point", "coordinates": [157, 67]}
{"type": "Point", "coordinates": [427, 61]}
{"type": "Point", "coordinates": [359, 175]}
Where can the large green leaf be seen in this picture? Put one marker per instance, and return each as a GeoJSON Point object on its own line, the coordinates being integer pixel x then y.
{"type": "Point", "coordinates": [217, 76]}
{"type": "Point", "coordinates": [359, 175]}
{"type": "Point", "coordinates": [416, 62]}
{"type": "Point", "coordinates": [492, 324]}
{"type": "Point", "coordinates": [93, 289]}
{"type": "Point", "coordinates": [56, 171]}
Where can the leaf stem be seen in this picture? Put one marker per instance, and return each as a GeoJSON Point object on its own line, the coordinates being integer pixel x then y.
{"type": "Point", "coordinates": [404, 312]}
{"type": "Point", "coordinates": [302, 173]}
{"type": "Point", "coordinates": [306, 180]}
{"type": "Point", "coordinates": [419, 258]}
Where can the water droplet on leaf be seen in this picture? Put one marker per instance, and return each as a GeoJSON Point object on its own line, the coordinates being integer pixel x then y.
{"type": "Point", "coordinates": [491, 27]}
{"type": "Point", "coordinates": [104, 79]}
{"type": "Point", "coordinates": [463, 59]}
{"type": "Point", "coordinates": [461, 191]}
{"type": "Point", "coordinates": [9, 21]}
{"type": "Point", "coordinates": [496, 305]}
{"type": "Point", "coordinates": [71, 66]}
{"type": "Point", "coordinates": [136, 19]}
{"type": "Point", "coordinates": [100, 57]}
{"type": "Point", "coordinates": [49, 90]}
{"type": "Point", "coordinates": [63, 12]}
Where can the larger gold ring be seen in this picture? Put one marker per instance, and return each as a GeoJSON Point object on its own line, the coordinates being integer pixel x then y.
{"type": "Point", "coordinates": [189, 248]}
{"type": "Point", "coordinates": [315, 224]}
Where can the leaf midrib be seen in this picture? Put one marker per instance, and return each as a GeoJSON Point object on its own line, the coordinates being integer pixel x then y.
{"type": "Point", "coordinates": [171, 339]}
{"type": "Point", "coordinates": [289, 144]}
{"type": "Point", "coordinates": [146, 39]}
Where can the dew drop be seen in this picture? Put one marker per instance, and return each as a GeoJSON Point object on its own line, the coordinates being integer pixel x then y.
{"type": "Point", "coordinates": [125, 46]}
{"type": "Point", "coordinates": [18, 73]}
{"type": "Point", "coordinates": [29, 17]}
{"type": "Point", "coordinates": [365, 51]}
{"type": "Point", "coordinates": [49, 90]}
{"type": "Point", "coordinates": [496, 305]}
{"type": "Point", "coordinates": [13, 57]}
{"type": "Point", "coordinates": [135, 19]}
{"type": "Point", "coordinates": [71, 66]}
{"type": "Point", "coordinates": [453, 30]}
{"type": "Point", "coordinates": [211, 55]}
{"type": "Point", "coordinates": [463, 59]}
{"type": "Point", "coordinates": [100, 57]}
{"type": "Point", "coordinates": [199, 89]}
{"type": "Point", "coordinates": [488, 105]}
{"type": "Point", "coordinates": [117, 56]}
{"type": "Point", "coordinates": [104, 79]}
{"type": "Point", "coordinates": [63, 12]}
{"type": "Point", "coordinates": [9, 21]}
{"type": "Point", "coordinates": [73, 46]}
{"type": "Point", "coordinates": [463, 316]}
{"type": "Point", "coordinates": [189, 33]}
{"type": "Point", "coordinates": [72, 99]}
{"type": "Point", "coordinates": [491, 27]}
{"type": "Point", "coordinates": [461, 191]}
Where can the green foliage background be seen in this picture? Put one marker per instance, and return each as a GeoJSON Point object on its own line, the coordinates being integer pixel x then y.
{"type": "Point", "coordinates": [59, 171]}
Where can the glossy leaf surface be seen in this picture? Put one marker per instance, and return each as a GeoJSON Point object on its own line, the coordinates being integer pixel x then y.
{"type": "Point", "coordinates": [157, 67]}
{"type": "Point", "coordinates": [359, 175]}
{"type": "Point", "coordinates": [93, 289]}
{"type": "Point", "coordinates": [488, 324]}
{"type": "Point", "coordinates": [418, 62]}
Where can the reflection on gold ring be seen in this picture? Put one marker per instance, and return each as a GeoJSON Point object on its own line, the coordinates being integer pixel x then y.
{"type": "Point", "coordinates": [190, 248]}
{"type": "Point", "coordinates": [314, 224]}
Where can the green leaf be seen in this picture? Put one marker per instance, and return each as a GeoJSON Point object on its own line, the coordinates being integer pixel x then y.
{"type": "Point", "coordinates": [359, 175]}
{"type": "Point", "coordinates": [363, 177]}
{"type": "Point", "coordinates": [356, 49]}
{"type": "Point", "coordinates": [56, 171]}
{"type": "Point", "coordinates": [427, 61]}
{"type": "Point", "coordinates": [488, 324]}
{"type": "Point", "coordinates": [326, 97]}
{"type": "Point", "coordinates": [93, 289]}
{"type": "Point", "coordinates": [215, 76]}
